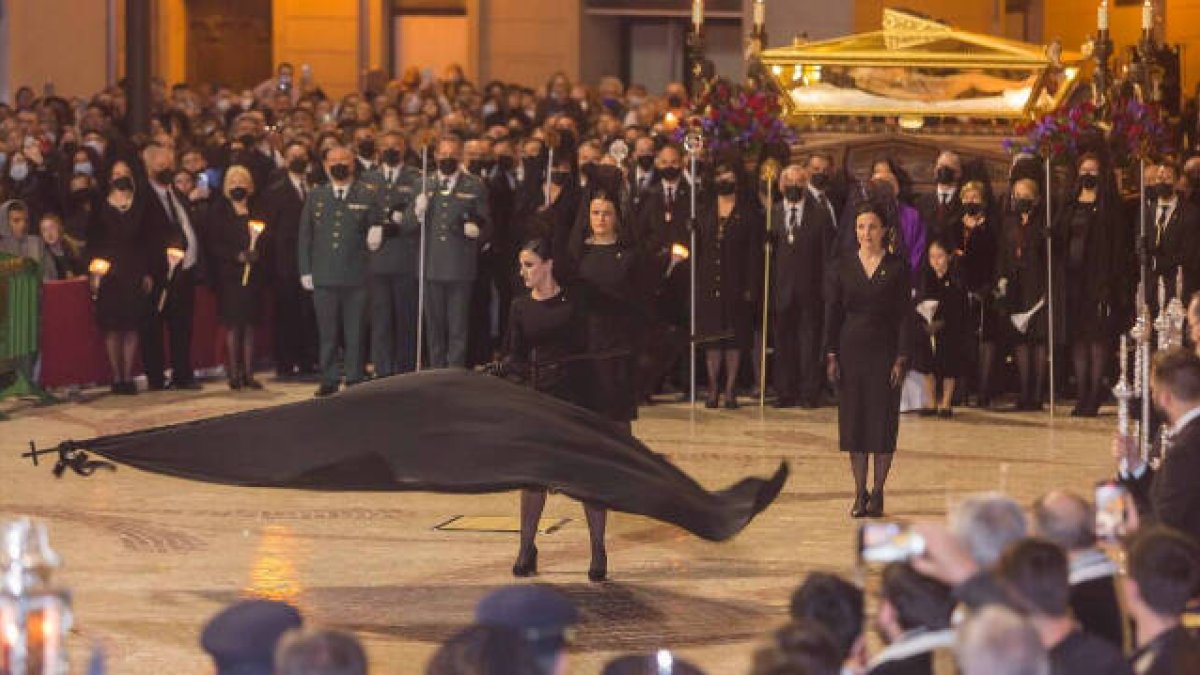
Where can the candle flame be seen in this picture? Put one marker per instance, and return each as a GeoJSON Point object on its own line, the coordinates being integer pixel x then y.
{"type": "Point", "coordinates": [99, 266]}
{"type": "Point", "coordinates": [257, 226]}
{"type": "Point", "coordinates": [680, 250]}
{"type": "Point", "coordinates": [174, 255]}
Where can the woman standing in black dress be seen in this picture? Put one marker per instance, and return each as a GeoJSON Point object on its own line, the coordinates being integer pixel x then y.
{"type": "Point", "coordinates": [973, 242]}
{"type": "Point", "coordinates": [868, 337]}
{"type": "Point", "coordinates": [941, 352]}
{"type": "Point", "coordinates": [1021, 285]}
{"type": "Point", "coordinates": [545, 332]}
{"type": "Point", "coordinates": [728, 278]}
{"type": "Point", "coordinates": [1085, 231]}
{"type": "Point", "coordinates": [227, 229]}
{"type": "Point", "coordinates": [116, 235]}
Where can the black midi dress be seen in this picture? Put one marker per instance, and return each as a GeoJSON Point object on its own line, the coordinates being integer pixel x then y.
{"type": "Point", "coordinates": [945, 352]}
{"type": "Point", "coordinates": [868, 323]}
{"type": "Point", "coordinates": [543, 343]}
{"type": "Point", "coordinates": [728, 277]}
{"type": "Point", "coordinates": [228, 235]}
{"type": "Point", "coordinates": [122, 304]}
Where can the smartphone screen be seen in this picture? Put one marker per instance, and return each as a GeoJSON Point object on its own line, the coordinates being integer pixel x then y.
{"type": "Point", "coordinates": [1112, 506]}
{"type": "Point", "coordinates": [888, 542]}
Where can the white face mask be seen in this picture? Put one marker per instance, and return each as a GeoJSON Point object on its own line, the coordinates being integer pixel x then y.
{"type": "Point", "coordinates": [19, 171]}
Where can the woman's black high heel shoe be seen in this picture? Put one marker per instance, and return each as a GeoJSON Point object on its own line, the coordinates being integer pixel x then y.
{"type": "Point", "coordinates": [860, 505]}
{"type": "Point", "coordinates": [526, 565]}
{"type": "Point", "coordinates": [874, 506]}
{"type": "Point", "coordinates": [598, 570]}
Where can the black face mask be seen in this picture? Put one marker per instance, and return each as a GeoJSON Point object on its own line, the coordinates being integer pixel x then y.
{"type": "Point", "coordinates": [391, 157]}
{"type": "Point", "coordinates": [567, 139]}
{"type": "Point", "coordinates": [560, 178]}
{"type": "Point", "coordinates": [726, 187]}
{"type": "Point", "coordinates": [164, 176]}
{"type": "Point", "coordinates": [793, 193]}
{"type": "Point", "coordinates": [489, 164]}
{"type": "Point", "coordinates": [973, 209]}
{"type": "Point", "coordinates": [674, 101]}
{"type": "Point", "coordinates": [69, 148]}
{"type": "Point", "coordinates": [505, 163]}
{"type": "Point", "coordinates": [645, 162]}
{"type": "Point", "coordinates": [819, 181]}
{"type": "Point", "coordinates": [123, 183]}
{"type": "Point", "coordinates": [671, 173]}
{"type": "Point", "coordinates": [475, 166]}
{"type": "Point", "coordinates": [366, 147]}
{"type": "Point", "coordinates": [298, 165]}
{"type": "Point", "coordinates": [247, 140]}
{"type": "Point", "coordinates": [339, 172]}
{"type": "Point", "coordinates": [81, 194]}
{"type": "Point", "coordinates": [1023, 206]}
{"type": "Point", "coordinates": [239, 194]}
{"type": "Point", "coordinates": [945, 175]}
{"type": "Point", "coordinates": [1089, 181]}
{"type": "Point", "coordinates": [447, 166]}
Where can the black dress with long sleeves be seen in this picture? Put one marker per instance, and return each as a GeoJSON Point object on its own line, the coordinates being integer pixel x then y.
{"type": "Point", "coordinates": [728, 276]}
{"type": "Point", "coordinates": [975, 251]}
{"type": "Point", "coordinates": [542, 343]}
{"type": "Point", "coordinates": [1022, 262]}
{"type": "Point", "coordinates": [1085, 235]}
{"type": "Point", "coordinates": [868, 325]}
{"type": "Point", "coordinates": [944, 351]}
{"type": "Point", "coordinates": [611, 279]}
{"type": "Point", "coordinates": [122, 304]}
{"type": "Point", "coordinates": [228, 235]}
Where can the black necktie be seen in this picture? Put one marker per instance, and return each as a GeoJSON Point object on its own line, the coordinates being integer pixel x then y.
{"type": "Point", "coordinates": [794, 219]}
{"type": "Point", "coordinates": [670, 197]}
{"type": "Point", "coordinates": [1161, 225]}
{"type": "Point", "coordinates": [340, 193]}
{"type": "Point", "coordinates": [301, 190]}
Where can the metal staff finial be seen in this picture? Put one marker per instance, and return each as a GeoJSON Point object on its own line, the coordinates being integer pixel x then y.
{"type": "Point", "coordinates": [69, 457]}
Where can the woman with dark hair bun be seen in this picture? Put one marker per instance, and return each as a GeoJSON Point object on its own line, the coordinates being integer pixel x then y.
{"type": "Point", "coordinates": [868, 324]}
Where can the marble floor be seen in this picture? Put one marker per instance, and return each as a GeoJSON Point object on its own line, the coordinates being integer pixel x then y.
{"type": "Point", "coordinates": [150, 558]}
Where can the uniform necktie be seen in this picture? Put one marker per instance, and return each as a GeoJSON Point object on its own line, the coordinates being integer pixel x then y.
{"type": "Point", "coordinates": [340, 193]}
{"type": "Point", "coordinates": [793, 221]}
{"type": "Point", "coordinates": [670, 197]}
{"type": "Point", "coordinates": [1161, 224]}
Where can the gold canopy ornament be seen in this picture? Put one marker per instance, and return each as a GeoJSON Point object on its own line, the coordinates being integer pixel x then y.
{"type": "Point", "coordinates": [918, 68]}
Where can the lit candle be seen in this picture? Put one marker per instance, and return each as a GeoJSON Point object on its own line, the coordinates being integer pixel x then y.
{"type": "Point", "coordinates": [697, 14]}
{"type": "Point", "coordinates": [760, 14]}
{"type": "Point", "coordinates": [670, 121]}
{"type": "Point", "coordinates": [99, 266]}
{"type": "Point", "coordinates": [256, 228]}
{"type": "Point", "coordinates": [680, 251]}
{"type": "Point", "coordinates": [1147, 16]}
{"type": "Point", "coordinates": [1102, 16]}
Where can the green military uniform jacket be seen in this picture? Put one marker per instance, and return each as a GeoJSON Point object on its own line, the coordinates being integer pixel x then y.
{"type": "Point", "coordinates": [333, 234]}
{"type": "Point", "coordinates": [401, 242]}
{"type": "Point", "coordinates": [449, 254]}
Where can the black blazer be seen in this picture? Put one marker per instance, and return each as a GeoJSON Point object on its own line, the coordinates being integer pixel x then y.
{"type": "Point", "coordinates": [652, 230]}
{"type": "Point", "coordinates": [280, 207]}
{"type": "Point", "coordinates": [163, 231]}
{"type": "Point", "coordinates": [1169, 494]}
{"type": "Point", "coordinates": [1180, 245]}
{"type": "Point", "coordinates": [799, 266]}
{"type": "Point", "coordinates": [939, 220]}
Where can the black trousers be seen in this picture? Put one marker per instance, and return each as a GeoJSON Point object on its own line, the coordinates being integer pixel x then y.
{"type": "Point", "coordinates": [798, 351]}
{"type": "Point", "coordinates": [393, 323]}
{"type": "Point", "coordinates": [341, 311]}
{"type": "Point", "coordinates": [176, 319]}
{"type": "Point", "coordinates": [295, 328]}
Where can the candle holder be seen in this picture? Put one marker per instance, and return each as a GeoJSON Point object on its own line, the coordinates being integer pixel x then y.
{"type": "Point", "coordinates": [35, 617]}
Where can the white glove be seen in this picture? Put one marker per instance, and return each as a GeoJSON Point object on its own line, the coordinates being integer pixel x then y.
{"type": "Point", "coordinates": [471, 230]}
{"type": "Point", "coordinates": [421, 205]}
{"type": "Point", "coordinates": [397, 217]}
{"type": "Point", "coordinates": [375, 237]}
{"type": "Point", "coordinates": [306, 281]}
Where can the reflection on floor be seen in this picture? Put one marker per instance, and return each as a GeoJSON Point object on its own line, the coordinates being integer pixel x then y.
{"type": "Point", "coordinates": [149, 558]}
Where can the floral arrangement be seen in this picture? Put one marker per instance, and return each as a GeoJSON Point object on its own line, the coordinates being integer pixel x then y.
{"type": "Point", "coordinates": [738, 118]}
{"type": "Point", "coordinates": [1134, 131]}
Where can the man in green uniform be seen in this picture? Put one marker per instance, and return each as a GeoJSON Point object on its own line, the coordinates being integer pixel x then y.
{"type": "Point", "coordinates": [392, 265]}
{"type": "Point", "coordinates": [455, 214]}
{"type": "Point", "coordinates": [333, 263]}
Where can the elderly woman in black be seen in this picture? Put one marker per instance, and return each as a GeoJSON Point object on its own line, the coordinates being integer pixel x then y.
{"type": "Point", "coordinates": [868, 337]}
{"type": "Point", "coordinates": [1085, 231]}
{"type": "Point", "coordinates": [730, 229]}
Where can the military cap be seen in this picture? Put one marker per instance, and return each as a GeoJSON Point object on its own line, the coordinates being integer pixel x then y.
{"type": "Point", "coordinates": [537, 612]}
{"type": "Point", "coordinates": [241, 638]}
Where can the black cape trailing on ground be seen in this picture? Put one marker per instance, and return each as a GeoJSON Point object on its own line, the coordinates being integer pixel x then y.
{"type": "Point", "coordinates": [440, 431]}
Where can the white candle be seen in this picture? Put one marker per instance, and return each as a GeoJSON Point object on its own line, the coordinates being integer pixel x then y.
{"type": "Point", "coordinates": [760, 13]}
{"type": "Point", "coordinates": [697, 14]}
{"type": "Point", "coordinates": [1102, 16]}
{"type": "Point", "coordinates": [1147, 16]}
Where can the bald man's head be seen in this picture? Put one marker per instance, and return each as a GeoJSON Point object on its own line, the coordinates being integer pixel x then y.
{"type": "Point", "coordinates": [1066, 519]}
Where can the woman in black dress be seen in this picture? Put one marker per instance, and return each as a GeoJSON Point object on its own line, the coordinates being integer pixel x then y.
{"type": "Point", "coordinates": [1021, 286]}
{"type": "Point", "coordinates": [728, 279]}
{"type": "Point", "coordinates": [541, 349]}
{"type": "Point", "coordinates": [117, 236]}
{"type": "Point", "coordinates": [868, 337]}
{"type": "Point", "coordinates": [941, 349]}
{"type": "Point", "coordinates": [973, 242]}
{"type": "Point", "coordinates": [1084, 231]}
{"type": "Point", "coordinates": [227, 230]}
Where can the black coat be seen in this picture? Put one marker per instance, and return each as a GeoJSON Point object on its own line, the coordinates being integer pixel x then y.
{"type": "Point", "coordinates": [1022, 261]}
{"type": "Point", "coordinates": [799, 266]}
{"type": "Point", "coordinates": [729, 273]}
{"type": "Point", "coordinates": [280, 207]}
{"type": "Point", "coordinates": [1179, 246]}
{"type": "Point", "coordinates": [939, 220]}
{"type": "Point", "coordinates": [162, 231]}
{"type": "Point", "coordinates": [1094, 283]}
{"type": "Point", "coordinates": [1169, 495]}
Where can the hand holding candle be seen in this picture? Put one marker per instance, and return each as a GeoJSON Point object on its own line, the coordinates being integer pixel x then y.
{"type": "Point", "coordinates": [256, 229]}
{"type": "Point", "coordinates": [96, 270]}
{"type": "Point", "coordinates": [174, 257]}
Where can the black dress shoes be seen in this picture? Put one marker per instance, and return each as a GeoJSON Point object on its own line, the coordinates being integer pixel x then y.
{"type": "Point", "coordinates": [785, 403]}
{"type": "Point", "coordinates": [859, 509]}
{"type": "Point", "coordinates": [874, 506]}
{"type": "Point", "coordinates": [185, 385]}
{"type": "Point", "coordinates": [326, 390]}
{"type": "Point", "coordinates": [731, 403]}
{"type": "Point", "coordinates": [526, 565]}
